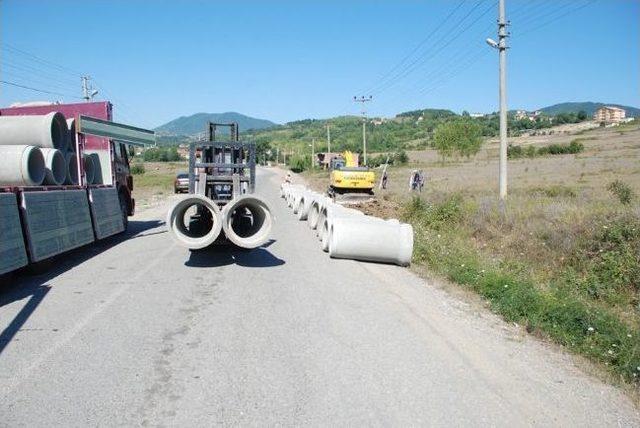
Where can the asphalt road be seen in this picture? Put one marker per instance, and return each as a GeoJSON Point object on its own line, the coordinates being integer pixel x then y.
{"type": "Point", "coordinates": [138, 331]}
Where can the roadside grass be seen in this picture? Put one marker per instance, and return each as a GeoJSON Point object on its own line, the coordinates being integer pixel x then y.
{"type": "Point", "coordinates": [156, 180]}
{"type": "Point", "coordinates": [576, 284]}
{"type": "Point", "coordinates": [561, 257]}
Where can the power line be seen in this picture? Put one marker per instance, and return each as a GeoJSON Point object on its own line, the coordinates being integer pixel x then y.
{"type": "Point", "coordinates": [42, 60]}
{"type": "Point", "coordinates": [36, 89]}
{"type": "Point", "coordinates": [424, 58]}
{"type": "Point", "coordinates": [556, 18]}
{"type": "Point", "coordinates": [417, 47]}
{"type": "Point", "coordinates": [32, 70]}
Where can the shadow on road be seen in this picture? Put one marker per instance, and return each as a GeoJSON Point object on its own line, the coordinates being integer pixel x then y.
{"type": "Point", "coordinates": [31, 281]}
{"type": "Point", "coordinates": [223, 255]}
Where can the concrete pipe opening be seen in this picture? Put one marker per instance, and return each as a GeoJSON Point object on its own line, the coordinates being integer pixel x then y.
{"type": "Point", "coordinates": [71, 134]}
{"type": "Point", "coordinates": [21, 166]}
{"type": "Point", "coordinates": [97, 168]}
{"type": "Point", "coordinates": [247, 221]}
{"type": "Point", "coordinates": [55, 167]}
{"type": "Point", "coordinates": [72, 168]}
{"type": "Point", "coordinates": [194, 222]}
{"type": "Point", "coordinates": [324, 235]}
{"type": "Point", "coordinates": [89, 169]}
{"type": "Point", "coordinates": [43, 131]}
{"type": "Point", "coordinates": [314, 213]}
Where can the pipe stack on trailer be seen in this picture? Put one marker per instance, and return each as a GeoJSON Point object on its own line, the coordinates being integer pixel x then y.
{"type": "Point", "coordinates": [347, 233]}
{"type": "Point", "coordinates": [43, 209]}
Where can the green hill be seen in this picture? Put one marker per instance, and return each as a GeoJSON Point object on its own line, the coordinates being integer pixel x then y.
{"type": "Point", "coordinates": [189, 125]}
{"type": "Point", "coordinates": [588, 107]}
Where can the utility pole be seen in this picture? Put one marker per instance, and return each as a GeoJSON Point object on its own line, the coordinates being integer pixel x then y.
{"type": "Point", "coordinates": [363, 100]}
{"type": "Point", "coordinates": [328, 139]}
{"type": "Point", "coordinates": [313, 152]}
{"type": "Point", "coordinates": [502, 47]}
{"type": "Point", "coordinates": [87, 91]}
{"type": "Point", "coordinates": [277, 155]}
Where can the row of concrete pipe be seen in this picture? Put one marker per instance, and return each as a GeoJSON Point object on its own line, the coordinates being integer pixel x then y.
{"type": "Point", "coordinates": [347, 233]}
{"type": "Point", "coordinates": [40, 150]}
{"type": "Point", "coordinates": [245, 221]}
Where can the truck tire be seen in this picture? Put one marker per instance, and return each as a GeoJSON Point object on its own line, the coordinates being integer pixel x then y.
{"type": "Point", "coordinates": [124, 209]}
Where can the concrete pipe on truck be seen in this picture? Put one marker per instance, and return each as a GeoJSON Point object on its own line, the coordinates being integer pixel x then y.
{"type": "Point", "coordinates": [48, 131]}
{"type": "Point", "coordinates": [371, 239]}
{"type": "Point", "coordinates": [72, 168]}
{"type": "Point", "coordinates": [194, 222]}
{"type": "Point", "coordinates": [97, 168]}
{"type": "Point", "coordinates": [89, 168]}
{"type": "Point", "coordinates": [21, 166]}
{"type": "Point", "coordinates": [71, 134]}
{"type": "Point", "coordinates": [55, 167]}
{"type": "Point", "coordinates": [247, 221]}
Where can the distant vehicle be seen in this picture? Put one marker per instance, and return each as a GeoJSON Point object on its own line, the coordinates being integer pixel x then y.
{"type": "Point", "coordinates": [181, 183]}
{"type": "Point", "coordinates": [347, 177]}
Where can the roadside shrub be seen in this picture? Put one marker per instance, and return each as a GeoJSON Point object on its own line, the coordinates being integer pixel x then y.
{"type": "Point", "coordinates": [137, 169]}
{"type": "Point", "coordinates": [516, 152]}
{"type": "Point", "coordinates": [300, 163]}
{"type": "Point", "coordinates": [161, 154]}
{"type": "Point", "coordinates": [435, 216]}
{"type": "Point", "coordinates": [402, 158]}
{"type": "Point", "coordinates": [621, 190]}
{"type": "Point", "coordinates": [555, 191]}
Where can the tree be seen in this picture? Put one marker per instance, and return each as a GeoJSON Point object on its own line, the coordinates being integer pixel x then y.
{"type": "Point", "coordinates": [582, 115]}
{"type": "Point", "coordinates": [461, 137]}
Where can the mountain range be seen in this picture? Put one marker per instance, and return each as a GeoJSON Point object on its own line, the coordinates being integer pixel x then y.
{"type": "Point", "coordinates": [588, 107]}
{"type": "Point", "coordinates": [194, 124]}
{"type": "Point", "coordinates": [189, 125]}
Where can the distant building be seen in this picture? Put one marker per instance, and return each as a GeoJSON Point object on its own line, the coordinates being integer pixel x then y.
{"type": "Point", "coordinates": [609, 114]}
{"type": "Point", "coordinates": [523, 114]}
{"type": "Point", "coordinates": [476, 115]}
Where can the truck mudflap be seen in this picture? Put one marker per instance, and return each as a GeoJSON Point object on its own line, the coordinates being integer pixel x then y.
{"type": "Point", "coordinates": [13, 254]}
{"type": "Point", "coordinates": [105, 211]}
{"type": "Point", "coordinates": [55, 221]}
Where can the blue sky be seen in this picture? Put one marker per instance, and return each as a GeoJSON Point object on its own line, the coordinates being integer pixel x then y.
{"type": "Point", "coordinates": [289, 60]}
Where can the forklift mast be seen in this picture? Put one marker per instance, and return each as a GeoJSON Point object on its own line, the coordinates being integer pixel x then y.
{"type": "Point", "coordinates": [222, 169]}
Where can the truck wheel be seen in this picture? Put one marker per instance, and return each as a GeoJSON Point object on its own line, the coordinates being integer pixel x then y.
{"type": "Point", "coordinates": [124, 209]}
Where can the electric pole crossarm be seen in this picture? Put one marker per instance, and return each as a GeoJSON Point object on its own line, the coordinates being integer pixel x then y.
{"type": "Point", "coordinates": [364, 100]}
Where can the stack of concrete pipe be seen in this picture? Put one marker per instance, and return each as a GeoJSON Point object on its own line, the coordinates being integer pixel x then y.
{"type": "Point", "coordinates": [245, 221]}
{"type": "Point", "coordinates": [348, 233]}
{"type": "Point", "coordinates": [39, 150]}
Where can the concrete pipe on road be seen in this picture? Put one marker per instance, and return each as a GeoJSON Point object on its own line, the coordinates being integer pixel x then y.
{"type": "Point", "coordinates": [43, 131]}
{"type": "Point", "coordinates": [89, 168]}
{"type": "Point", "coordinates": [194, 222]}
{"type": "Point", "coordinates": [247, 221]}
{"type": "Point", "coordinates": [335, 211]}
{"type": "Point", "coordinates": [316, 208]}
{"type": "Point", "coordinates": [21, 166]}
{"type": "Point", "coordinates": [55, 167]}
{"type": "Point", "coordinates": [304, 204]}
{"type": "Point", "coordinates": [71, 160]}
{"type": "Point", "coordinates": [371, 239]}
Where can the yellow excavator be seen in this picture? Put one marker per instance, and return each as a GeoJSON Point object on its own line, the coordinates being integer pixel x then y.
{"type": "Point", "coordinates": [348, 177]}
